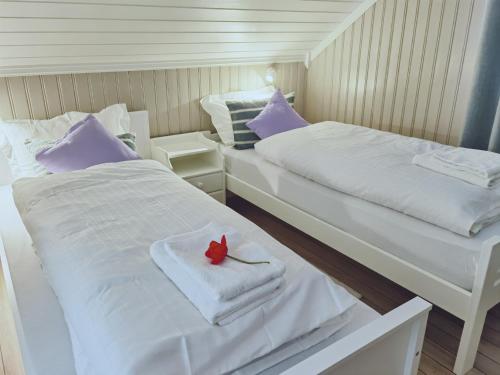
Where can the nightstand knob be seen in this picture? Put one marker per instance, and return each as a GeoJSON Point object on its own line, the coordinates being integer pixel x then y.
{"type": "Point", "coordinates": [199, 185]}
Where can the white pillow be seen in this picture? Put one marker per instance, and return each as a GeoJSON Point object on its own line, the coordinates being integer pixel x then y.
{"type": "Point", "coordinates": [14, 133]}
{"type": "Point", "coordinates": [215, 106]}
{"type": "Point", "coordinates": [115, 118]}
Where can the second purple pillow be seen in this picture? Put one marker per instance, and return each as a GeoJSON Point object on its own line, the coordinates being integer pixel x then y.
{"type": "Point", "coordinates": [87, 143]}
{"type": "Point", "coordinates": [276, 117]}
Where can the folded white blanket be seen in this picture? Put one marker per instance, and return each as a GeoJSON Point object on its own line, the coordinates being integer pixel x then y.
{"type": "Point", "coordinates": [377, 166]}
{"type": "Point", "coordinates": [477, 167]}
{"type": "Point", "coordinates": [216, 312]}
{"type": "Point", "coordinates": [229, 279]}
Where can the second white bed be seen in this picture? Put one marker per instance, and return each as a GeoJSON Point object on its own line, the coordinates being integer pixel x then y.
{"type": "Point", "coordinates": [39, 318]}
{"type": "Point", "coordinates": [441, 252]}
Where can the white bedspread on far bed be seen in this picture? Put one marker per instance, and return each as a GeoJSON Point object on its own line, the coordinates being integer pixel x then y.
{"type": "Point", "coordinates": [449, 255]}
{"type": "Point", "coordinates": [92, 230]}
{"type": "Point", "coordinates": [377, 166]}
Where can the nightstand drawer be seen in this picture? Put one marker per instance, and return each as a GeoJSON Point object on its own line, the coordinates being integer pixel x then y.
{"type": "Point", "coordinates": [208, 183]}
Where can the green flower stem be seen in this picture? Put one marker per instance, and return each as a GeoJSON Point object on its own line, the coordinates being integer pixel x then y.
{"type": "Point", "coordinates": [246, 262]}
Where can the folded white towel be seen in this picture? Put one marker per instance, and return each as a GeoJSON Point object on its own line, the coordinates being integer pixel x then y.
{"type": "Point", "coordinates": [229, 279]}
{"type": "Point", "coordinates": [215, 312]}
{"type": "Point", "coordinates": [477, 167]}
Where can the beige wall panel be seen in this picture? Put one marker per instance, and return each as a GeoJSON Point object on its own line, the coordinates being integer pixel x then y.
{"type": "Point", "coordinates": [82, 92]}
{"type": "Point", "coordinates": [454, 72]}
{"type": "Point", "coordinates": [402, 67]}
{"type": "Point", "coordinates": [111, 87]}
{"type": "Point", "coordinates": [404, 62]}
{"type": "Point", "coordinates": [52, 95]}
{"type": "Point", "coordinates": [301, 88]}
{"type": "Point", "coordinates": [344, 75]}
{"type": "Point", "coordinates": [36, 98]}
{"type": "Point", "coordinates": [215, 80]}
{"type": "Point", "coordinates": [194, 99]}
{"type": "Point", "coordinates": [96, 89]}
{"type": "Point", "coordinates": [204, 91]}
{"type": "Point", "coordinates": [381, 80]}
{"type": "Point", "coordinates": [172, 96]}
{"type": "Point", "coordinates": [225, 77]}
{"type": "Point", "coordinates": [372, 65]}
{"type": "Point", "coordinates": [174, 120]}
{"type": "Point", "coordinates": [441, 69]}
{"type": "Point", "coordinates": [327, 85]}
{"type": "Point", "coordinates": [6, 108]}
{"type": "Point", "coordinates": [19, 97]}
{"type": "Point", "coordinates": [428, 69]}
{"type": "Point", "coordinates": [361, 75]}
{"type": "Point", "coordinates": [149, 87]}
{"type": "Point", "coordinates": [416, 65]}
{"type": "Point", "coordinates": [395, 49]}
{"type": "Point", "coordinates": [183, 95]}
{"type": "Point", "coordinates": [124, 89]}
{"type": "Point", "coordinates": [234, 78]}
{"type": "Point", "coordinates": [354, 69]}
{"type": "Point", "coordinates": [161, 102]}
{"type": "Point", "coordinates": [336, 75]}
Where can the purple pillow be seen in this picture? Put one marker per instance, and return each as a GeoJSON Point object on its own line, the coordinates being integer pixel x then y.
{"type": "Point", "coordinates": [87, 143]}
{"type": "Point", "coordinates": [276, 117]}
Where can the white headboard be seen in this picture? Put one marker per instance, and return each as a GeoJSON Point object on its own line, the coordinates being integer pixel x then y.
{"type": "Point", "coordinates": [139, 124]}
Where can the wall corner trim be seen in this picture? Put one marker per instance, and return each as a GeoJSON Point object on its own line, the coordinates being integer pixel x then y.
{"type": "Point", "coordinates": [343, 26]}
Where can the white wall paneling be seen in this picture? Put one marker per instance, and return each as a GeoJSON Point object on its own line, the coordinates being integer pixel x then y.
{"type": "Point", "coordinates": [402, 66]}
{"type": "Point", "coordinates": [67, 36]}
{"type": "Point", "coordinates": [171, 96]}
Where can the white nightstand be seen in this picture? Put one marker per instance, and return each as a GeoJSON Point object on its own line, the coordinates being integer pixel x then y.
{"type": "Point", "coordinates": [195, 158]}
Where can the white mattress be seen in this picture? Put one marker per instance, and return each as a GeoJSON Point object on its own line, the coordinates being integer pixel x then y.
{"type": "Point", "coordinates": [441, 252]}
{"type": "Point", "coordinates": [40, 320]}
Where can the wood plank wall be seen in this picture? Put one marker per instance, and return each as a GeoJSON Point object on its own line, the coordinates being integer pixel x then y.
{"type": "Point", "coordinates": [171, 96]}
{"type": "Point", "coordinates": [68, 36]}
{"type": "Point", "coordinates": [405, 66]}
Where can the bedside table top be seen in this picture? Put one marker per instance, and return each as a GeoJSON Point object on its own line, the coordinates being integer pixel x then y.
{"type": "Point", "coordinates": [189, 154]}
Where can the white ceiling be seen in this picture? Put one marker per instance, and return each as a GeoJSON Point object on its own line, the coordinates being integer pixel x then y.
{"type": "Point", "coordinates": [102, 35]}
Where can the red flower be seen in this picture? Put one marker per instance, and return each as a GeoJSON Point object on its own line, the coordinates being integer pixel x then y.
{"type": "Point", "coordinates": [217, 251]}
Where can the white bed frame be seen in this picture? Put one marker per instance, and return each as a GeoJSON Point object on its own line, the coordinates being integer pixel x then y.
{"type": "Point", "coordinates": [471, 307]}
{"type": "Point", "coordinates": [45, 342]}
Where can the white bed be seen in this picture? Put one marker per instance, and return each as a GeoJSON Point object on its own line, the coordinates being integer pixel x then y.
{"type": "Point", "coordinates": [441, 252]}
{"type": "Point", "coordinates": [456, 273]}
{"type": "Point", "coordinates": [46, 345]}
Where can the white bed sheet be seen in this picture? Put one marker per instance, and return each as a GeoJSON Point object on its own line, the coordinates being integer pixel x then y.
{"type": "Point", "coordinates": [39, 318]}
{"type": "Point", "coordinates": [125, 314]}
{"type": "Point", "coordinates": [436, 250]}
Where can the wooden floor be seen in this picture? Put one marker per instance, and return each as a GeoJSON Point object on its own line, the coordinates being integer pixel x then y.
{"type": "Point", "coordinates": [443, 331]}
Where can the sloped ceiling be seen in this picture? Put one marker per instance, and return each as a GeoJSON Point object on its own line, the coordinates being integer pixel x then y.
{"type": "Point", "coordinates": [59, 36]}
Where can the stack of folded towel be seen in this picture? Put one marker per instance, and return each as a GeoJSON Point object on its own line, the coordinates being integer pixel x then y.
{"type": "Point", "coordinates": [225, 291]}
{"type": "Point", "coordinates": [477, 167]}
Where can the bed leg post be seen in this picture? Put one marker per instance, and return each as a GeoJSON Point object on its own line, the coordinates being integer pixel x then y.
{"type": "Point", "coordinates": [485, 295]}
{"type": "Point", "coordinates": [469, 342]}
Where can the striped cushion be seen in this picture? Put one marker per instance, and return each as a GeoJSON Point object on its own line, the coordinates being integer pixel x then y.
{"type": "Point", "coordinates": [243, 111]}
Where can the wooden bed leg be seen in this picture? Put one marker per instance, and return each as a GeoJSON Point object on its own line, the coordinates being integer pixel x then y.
{"type": "Point", "coordinates": [469, 342]}
{"type": "Point", "coordinates": [485, 295]}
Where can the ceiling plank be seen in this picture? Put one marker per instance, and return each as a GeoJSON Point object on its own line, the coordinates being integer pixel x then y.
{"type": "Point", "coordinates": [9, 52]}
{"type": "Point", "coordinates": [131, 12]}
{"type": "Point", "coordinates": [284, 5]}
{"type": "Point", "coordinates": [30, 39]}
{"type": "Point", "coordinates": [42, 25]}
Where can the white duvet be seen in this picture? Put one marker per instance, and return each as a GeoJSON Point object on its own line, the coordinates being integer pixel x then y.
{"type": "Point", "coordinates": [377, 166]}
{"type": "Point", "coordinates": [92, 230]}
